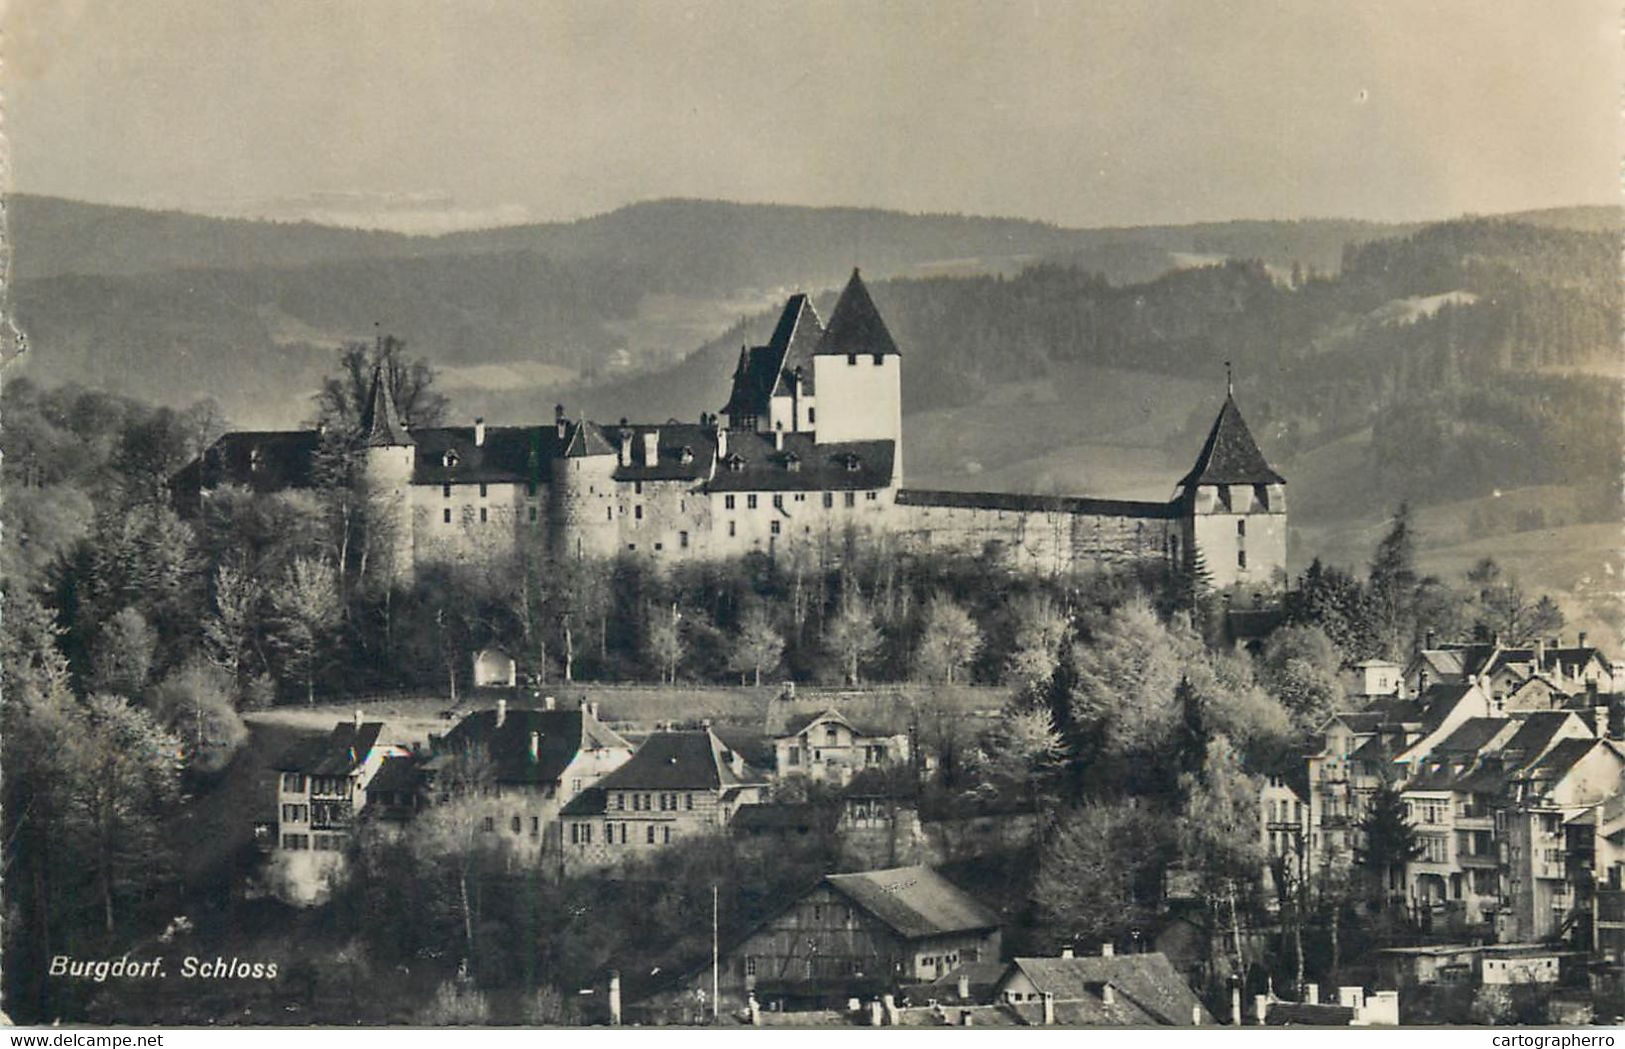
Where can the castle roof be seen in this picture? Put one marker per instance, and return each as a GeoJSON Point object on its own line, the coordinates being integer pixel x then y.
{"type": "Point", "coordinates": [510, 455]}
{"type": "Point", "coordinates": [1230, 455]}
{"type": "Point", "coordinates": [684, 760]}
{"type": "Point", "coordinates": [1020, 502]}
{"type": "Point", "coordinates": [753, 464]}
{"type": "Point", "coordinates": [261, 460]}
{"type": "Point", "coordinates": [380, 427]}
{"type": "Point", "coordinates": [561, 735]}
{"type": "Point", "coordinates": [585, 438]}
{"type": "Point", "coordinates": [855, 325]}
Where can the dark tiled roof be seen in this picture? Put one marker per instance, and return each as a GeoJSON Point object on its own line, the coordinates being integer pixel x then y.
{"type": "Point", "coordinates": [510, 455]}
{"type": "Point", "coordinates": [1230, 455]}
{"type": "Point", "coordinates": [1560, 759]}
{"type": "Point", "coordinates": [338, 754]}
{"type": "Point", "coordinates": [396, 774]}
{"type": "Point", "coordinates": [782, 818]}
{"type": "Point", "coordinates": [1537, 733]}
{"type": "Point", "coordinates": [380, 428]}
{"type": "Point", "coordinates": [1472, 735]}
{"type": "Point", "coordinates": [562, 735]}
{"type": "Point", "coordinates": [765, 371]}
{"type": "Point", "coordinates": [676, 761]}
{"type": "Point", "coordinates": [1148, 980]}
{"type": "Point", "coordinates": [1396, 711]}
{"type": "Point", "coordinates": [914, 902]}
{"type": "Point", "coordinates": [754, 465]}
{"type": "Point", "coordinates": [1090, 1010]}
{"type": "Point", "coordinates": [261, 460]}
{"type": "Point", "coordinates": [1020, 502]}
{"type": "Point", "coordinates": [1439, 701]}
{"type": "Point", "coordinates": [683, 452]}
{"type": "Point", "coordinates": [1362, 721]}
{"type": "Point", "coordinates": [855, 326]}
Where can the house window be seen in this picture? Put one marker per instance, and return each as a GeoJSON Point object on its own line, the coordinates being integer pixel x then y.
{"type": "Point", "coordinates": [445, 490]}
{"type": "Point", "coordinates": [515, 824]}
{"type": "Point", "coordinates": [750, 502]}
{"type": "Point", "coordinates": [731, 529]}
{"type": "Point", "coordinates": [530, 489]}
{"type": "Point", "coordinates": [851, 498]}
{"type": "Point", "coordinates": [650, 829]}
{"type": "Point", "coordinates": [535, 826]}
{"type": "Point", "coordinates": [293, 783]}
{"type": "Point", "coordinates": [778, 502]}
{"type": "Point", "coordinates": [812, 415]}
{"type": "Point", "coordinates": [575, 834]}
{"type": "Point", "coordinates": [489, 825]}
{"type": "Point", "coordinates": [620, 802]}
{"type": "Point", "coordinates": [586, 833]}
{"type": "Point", "coordinates": [727, 502]}
{"type": "Point", "coordinates": [750, 965]}
{"type": "Point", "coordinates": [688, 801]}
{"type": "Point", "coordinates": [830, 734]}
{"type": "Point", "coordinates": [482, 491]}
{"type": "Point", "coordinates": [623, 834]}
{"type": "Point", "coordinates": [533, 515]}
{"type": "Point", "coordinates": [795, 755]}
{"type": "Point", "coordinates": [637, 512]}
{"type": "Point", "coordinates": [682, 540]}
{"type": "Point", "coordinates": [774, 527]}
{"type": "Point", "coordinates": [445, 515]}
{"type": "Point", "coordinates": [871, 496]}
{"type": "Point", "coordinates": [829, 500]}
{"type": "Point", "coordinates": [1241, 559]}
{"type": "Point", "coordinates": [665, 835]}
{"type": "Point", "coordinates": [482, 515]}
{"type": "Point", "coordinates": [609, 833]}
{"type": "Point", "coordinates": [660, 546]}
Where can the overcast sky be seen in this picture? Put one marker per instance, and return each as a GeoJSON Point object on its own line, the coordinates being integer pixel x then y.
{"type": "Point", "coordinates": [1084, 113]}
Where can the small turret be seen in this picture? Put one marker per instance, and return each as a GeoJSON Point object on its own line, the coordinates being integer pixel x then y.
{"type": "Point", "coordinates": [390, 453]}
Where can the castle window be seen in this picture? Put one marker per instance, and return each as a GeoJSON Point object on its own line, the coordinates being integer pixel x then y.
{"type": "Point", "coordinates": [852, 464]}
{"type": "Point", "coordinates": [449, 460]}
{"type": "Point", "coordinates": [871, 496]}
{"type": "Point", "coordinates": [609, 513]}
{"type": "Point", "coordinates": [801, 497]}
{"type": "Point", "coordinates": [650, 833]}
{"type": "Point", "coordinates": [482, 515]}
{"type": "Point", "coordinates": [637, 512]}
{"type": "Point", "coordinates": [829, 500]}
{"type": "Point", "coordinates": [637, 487]}
{"type": "Point", "coordinates": [483, 491]}
{"type": "Point", "coordinates": [731, 530]}
{"type": "Point", "coordinates": [1241, 527]}
{"type": "Point", "coordinates": [660, 546]}
{"type": "Point", "coordinates": [530, 489]}
{"type": "Point", "coordinates": [446, 516]}
{"type": "Point", "coordinates": [256, 459]}
{"type": "Point", "coordinates": [851, 498]}
{"type": "Point", "coordinates": [750, 502]}
{"type": "Point", "coordinates": [792, 463]}
{"type": "Point", "coordinates": [879, 360]}
{"type": "Point", "coordinates": [682, 540]}
{"type": "Point", "coordinates": [778, 501]}
{"type": "Point", "coordinates": [812, 416]}
{"type": "Point", "coordinates": [727, 502]}
{"type": "Point", "coordinates": [1241, 559]}
{"type": "Point", "coordinates": [851, 358]}
{"type": "Point", "coordinates": [533, 515]}
{"type": "Point", "coordinates": [774, 528]}
{"type": "Point", "coordinates": [445, 490]}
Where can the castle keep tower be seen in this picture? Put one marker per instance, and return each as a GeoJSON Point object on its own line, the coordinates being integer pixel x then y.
{"type": "Point", "coordinates": [859, 376]}
{"type": "Point", "coordinates": [581, 511]}
{"type": "Point", "coordinates": [388, 452]}
{"type": "Point", "coordinates": [1233, 509]}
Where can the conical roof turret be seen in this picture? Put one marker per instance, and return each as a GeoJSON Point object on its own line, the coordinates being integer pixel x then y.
{"type": "Point", "coordinates": [380, 426]}
{"type": "Point", "coordinates": [1230, 455]}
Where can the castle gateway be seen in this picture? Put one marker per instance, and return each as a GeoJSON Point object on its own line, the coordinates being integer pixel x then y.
{"type": "Point", "coordinates": [808, 448]}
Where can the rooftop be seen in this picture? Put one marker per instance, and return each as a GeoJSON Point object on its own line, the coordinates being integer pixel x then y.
{"type": "Point", "coordinates": [914, 902]}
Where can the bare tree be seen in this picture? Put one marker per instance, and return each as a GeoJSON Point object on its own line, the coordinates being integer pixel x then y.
{"type": "Point", "coordinates": [757, 646]}
{"type": "Point", "coordinates": [851, 635]}
{"type": "Point", "coordinates": [949, 641]}
{"type": "Point", "coordinates": [305, 610]}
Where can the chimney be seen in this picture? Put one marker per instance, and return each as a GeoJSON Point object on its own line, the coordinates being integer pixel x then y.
{"type": "Point", "coordinates": [1582, 641]}
{"type": "Point", "coordinates": [502, 712]}
{"type": "Point", "coordinates": [614, 998]}
{"type": "Point", "coordinates": [357, 717]}
{"type": "Point", "coordinates": [722, 443]}
{"type": "Point", "coordinates": [1421, 681]}
{"type": "Point", "coordinates": [548, 702]}
{"type": "Point", "coordinates": [560, 424]}
{"type": "Point", "coordinates": [1196, 1016]}
{"type": "Point", "coordinates": [1261, 1008]}
{"type": "Point", "coordinates": [479, 433]}
{"type": "Point", "coordinates": [651, 448]}
{"type": "Point", "coordinates": [535, 746]}
{"type": "Point", "coordinates": [1049, 1009]}
{"type": "Point", "coordinates": [963, 987]}
{"type": "Point", "coordinates": [1311, 993]}
{"type": "Point", "coordinates": [1066, 951]}
{"type": "Point", "coordinates": [1430, 639]}
{"type": "Point", "coordinates": [778, 438]}
{"type": "Point", "coordinates": [1540, 655]}
{"type": "Point", "coordinates": [1107, 950]}
{"type": "Point", "coordinates": [626, 446]}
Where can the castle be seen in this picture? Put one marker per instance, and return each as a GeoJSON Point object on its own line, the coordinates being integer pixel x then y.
{"type": "Point", "coordinates": [810, 449]}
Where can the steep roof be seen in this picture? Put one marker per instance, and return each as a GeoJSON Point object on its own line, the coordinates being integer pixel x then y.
{"type": "Point", "coordinates": [336, 754]}
{"type": "Point", "coordinates": [510, 455]}
{"type": "Point", "coordinates": [685, 760]}
{"type": "Point", "coordinates": [1531, 741]}
{"type": "Point", "coordinates": [1230, 455]}
{"type": "Point", "coordinates": [396, 773]}
{"type": "Point", "coordinates": [753, 464]}
{"type": "Point", "coordinates": [1149, 981]}
{"type": "Point", "coordinates": [764, 372]}
{"type": "Point", "coordinates": [260, 460]}
{"type": "Point", "coordinates": [1473, 735]}
{"type": "Point", "coordinates": [855, 326]}
{"type": "Point", "coordinates": [585, 438]}
{"type": "Point", "coordinates": [914, 902]}
{"type": "Point", "coordinates": [800, 723]}
{"type": "Point", "coordinates": [1558, 761]}
{"type": "Point", "coordinates": [562, 734]}
{"type": "Point", "coordinates": [380, 426]}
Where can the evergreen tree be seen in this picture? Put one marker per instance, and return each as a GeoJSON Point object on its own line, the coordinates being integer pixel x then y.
{"type": "Point", "coordinates": [1388, 842]}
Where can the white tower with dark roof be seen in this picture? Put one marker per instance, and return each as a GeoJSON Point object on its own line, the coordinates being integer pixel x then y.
{"type": "Point", "coordinates": [859, 376]}
{"type": "Point", "coordinates": [1233, 509]}
{"type": "Point", "coordinates": [389, 452]}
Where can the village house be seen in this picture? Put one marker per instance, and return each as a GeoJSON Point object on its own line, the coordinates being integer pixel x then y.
{"type": "Point", "coordinates": [520, 768]}
{"type": "Point", "coordinates": [1104, 990]}
{"type": "Point", "coordinates": [321, 790]}
{"type": "Point", "coordinates": [679, 785]}
{"type": "Point", "coordinates": [829, 747]}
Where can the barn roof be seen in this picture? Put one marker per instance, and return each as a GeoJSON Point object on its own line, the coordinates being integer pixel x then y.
{"type": "Point", "coordinates": [1149, 981]}
{"type": "Point", "coordinates": [914, 902]}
